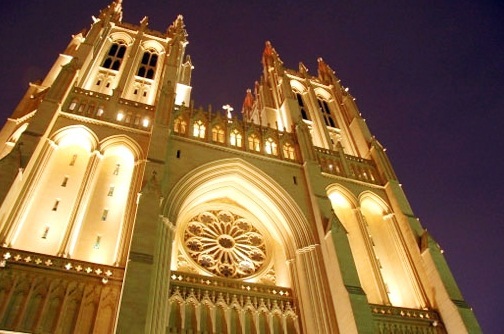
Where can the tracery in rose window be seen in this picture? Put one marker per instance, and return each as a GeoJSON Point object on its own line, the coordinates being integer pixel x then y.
{"type": "Point", "coordinates": [225, 244]}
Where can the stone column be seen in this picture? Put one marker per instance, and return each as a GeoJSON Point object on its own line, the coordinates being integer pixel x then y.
{"type": "Point", "coordinates": [313, 291]}
{"type": "Point", "coordinates": [157, 313]}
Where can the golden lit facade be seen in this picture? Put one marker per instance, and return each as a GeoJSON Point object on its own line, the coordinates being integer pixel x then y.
{"type": "Point", "coordinates": [125, 209]}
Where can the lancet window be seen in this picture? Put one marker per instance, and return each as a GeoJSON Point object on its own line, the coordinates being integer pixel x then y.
{"type": "Point", "coordinates": [254, 144]}
{"type": "Point", "coordinates": [288, 151]}
{"type": "Point", "coordinates": [73, 105]}
{"type": "Point", "coordinates": [100, 111]}
{"type": "Point", "coordinates": [114, 56]}
{"type": "Point", "coordinates": [148, 64]}
{"type": "Point", "coordinates": [270, 146]}
{"type": "Point", "coordinates": [199, 129]}
{"type": "Point", "coordinates": [218, 134]}
{"type": "Point", "coordinates": [304, 110]}
{"type": "Point", "coordinates": [179, 125]}
{"type": "Point", "coordinates": [235, 138]}
{"type": "Point", "coordinates": [329, 119]}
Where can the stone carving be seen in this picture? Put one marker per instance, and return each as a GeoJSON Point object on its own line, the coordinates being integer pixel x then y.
{"type": "Point", "coordinates": [225, 244]}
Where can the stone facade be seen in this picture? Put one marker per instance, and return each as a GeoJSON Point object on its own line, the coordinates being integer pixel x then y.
{"type": "Point", "coordinates": [125, 209]}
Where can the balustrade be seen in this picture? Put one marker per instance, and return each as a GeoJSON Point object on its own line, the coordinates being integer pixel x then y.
{"type": "Point", "coordinates": [100, 106]}
{"type": "Point", "coordinates": [217, 129]}
{"type": "Point", "coordinates": [15, 257]}
{"type": "Point", "coordinates": [390, 319]}
{"type": "Point", "coordinates": [227, 304]}
{"type": "Point", "coordinates": [338, 163]}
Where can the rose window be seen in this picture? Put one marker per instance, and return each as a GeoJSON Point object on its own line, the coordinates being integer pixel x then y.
{"type": "Point", "coordinates": [225, 244]}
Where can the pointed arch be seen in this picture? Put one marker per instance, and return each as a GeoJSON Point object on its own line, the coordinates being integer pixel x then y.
{"type": "Point", "coordinates": [235, 137]}
{"type": "Point", "coordinates": [395, 267]}
{"type": "Point", "coordinates": [298, 86]}
{"type": "Point", "coordinates": [152, 44]}
{"type": "Point", "coordinates": [370, 198]}
{"type": "Point", "coordinates": [127, 142]}
{"type": "Point", "coordinates": [337, 192]}
{"type": "Point", "coordinates": [53, 193]}
{"type": "Point", "coordinates": [76, 134]}
{"type": "Point", "coordinates": [254, 141]}
{"type": "Point", "coordinates": [121, 36]}
{"type": "Point", "coordinates": [103, 216]}
{"type": "Point", "coordinates": [346, 207]}
{"type": "Point", "coordinates": [241, 181]}
{"type": "Point", "coordinates": [297, 257]}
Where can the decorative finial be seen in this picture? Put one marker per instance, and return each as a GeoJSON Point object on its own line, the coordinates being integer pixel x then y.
{"type": "Point", "coordinates": [177, 29]}
{"type": "Point", "coordinates": [113, 11]}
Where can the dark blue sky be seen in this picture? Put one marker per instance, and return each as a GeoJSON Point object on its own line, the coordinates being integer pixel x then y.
{"type": "Point", "coordinates": [428, 77]}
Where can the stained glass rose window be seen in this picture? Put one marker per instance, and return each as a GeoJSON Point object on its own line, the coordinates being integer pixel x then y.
{"type": "Point", "coordinates": [225, 244]}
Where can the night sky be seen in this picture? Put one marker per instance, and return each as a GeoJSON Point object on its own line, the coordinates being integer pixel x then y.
{"type": "Point", "coordinates": [428, 76]}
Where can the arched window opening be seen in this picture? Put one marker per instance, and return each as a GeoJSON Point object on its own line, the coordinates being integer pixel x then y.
{"type": "Point", "coordinates": [199, 129]}
{"type": "Point", "coordinates": [73, 105]}
{"type": "Point", "coordinates": [288, 151]}
{"type": "Point", "coordinates": [90, 110]}
{"type": "Point", "coordinates": [304, 111]}
{"type": "Point", "coordinates": [329, 119]}
{"type": "Point", "coordinates": [100, 111]}
{"type": "Point", "coordinates": [218, 134]}
{"type": "Point", "coordinates": [254, 144]}
{"type": "Point", "coordinates": [138, 117]}
{"type": "Point", "coordinates": [115, 56]}
{"type": "Point", "coordinates": [107, 63]}
{"type": "Point", "coordinates": [179, 125]}
{"type": "Point", "coordinates": [116, 65]}
{"type": "Point", "coordinates": [148, 64]}
{"type": "Point", "coordinates": [270, 146]}
{"type": "Point", "coordinates": [128, 118]}
{"type": "Point", "coordinates": [235, 138]}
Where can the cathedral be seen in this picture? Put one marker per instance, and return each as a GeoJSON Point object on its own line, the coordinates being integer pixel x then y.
{"type": "Point", "coordinates": [125, 209]}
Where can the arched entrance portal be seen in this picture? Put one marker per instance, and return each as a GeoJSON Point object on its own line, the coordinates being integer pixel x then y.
{"type": "Point", "coordinates": [244, 257]}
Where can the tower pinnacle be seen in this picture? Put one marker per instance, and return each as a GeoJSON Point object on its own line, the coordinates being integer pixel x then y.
{"type": "Point", "coordinates": [270, 56]}
{"type": "Point", "coordinates": [177, 29]}
{"type": "Point", "coordinates": [113, 11]}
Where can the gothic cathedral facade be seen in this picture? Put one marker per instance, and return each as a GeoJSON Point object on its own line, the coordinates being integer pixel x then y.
{"type": "Point", "coordinates": [124, 209]}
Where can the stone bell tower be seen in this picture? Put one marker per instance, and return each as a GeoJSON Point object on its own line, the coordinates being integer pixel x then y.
{"type": "Point", "coordinates": [74, 157]}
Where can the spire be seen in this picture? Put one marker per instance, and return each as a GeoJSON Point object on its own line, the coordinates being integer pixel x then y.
{"type": "Point", "coordinates": [177, 29]}
{"type": "Point", "coordinates": [187, 67]}
{"type": "Point", "coordinates": [177, 40]}
{"type": "Point", "coordinates": [303, 69]}
{"type": "Point", "coordinates": [248, 104]}
{"type": "Point", "coordinates": [113, 11]}
{"type": "Point", "coordinates": [326, 73]}
{"type": "Point", "coordinates": [144, 23]}
{"type": "Point", "coordinates": [270, 57]}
